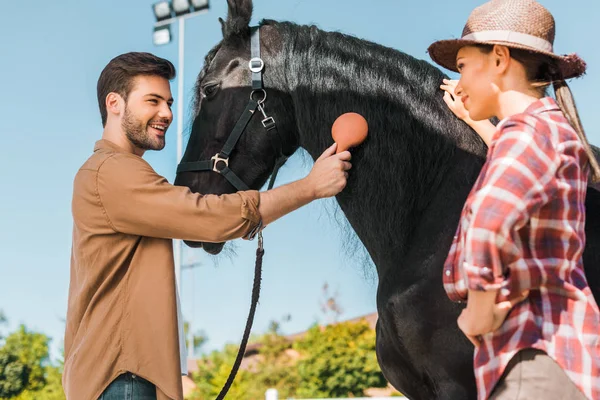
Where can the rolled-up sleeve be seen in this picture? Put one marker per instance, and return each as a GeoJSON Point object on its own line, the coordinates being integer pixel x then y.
{"type": "Point", "coordinates": [520, 178]}
{"type": "Point", "coordinates": [138, 201]}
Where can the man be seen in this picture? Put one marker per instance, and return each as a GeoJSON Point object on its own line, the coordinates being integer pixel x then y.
{"type": "Point", "coordinates": [122, 336]}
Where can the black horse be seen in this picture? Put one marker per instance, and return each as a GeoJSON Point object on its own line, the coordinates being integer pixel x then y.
{"type": "Point", "coordinates": [406, 189]}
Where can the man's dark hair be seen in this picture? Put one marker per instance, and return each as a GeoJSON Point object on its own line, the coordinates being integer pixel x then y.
{"type": "Point", "coordinates": [120, 72]}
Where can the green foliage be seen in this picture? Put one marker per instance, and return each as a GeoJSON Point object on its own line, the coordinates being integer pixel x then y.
{"type": "Point", "coordinates": [31, 349]}
{"type": "Point", "coordinates": [25, 370]}
{"type": "Point", "coordinates": [213, 372]}
{"type": "Point", "coordinates": [334, 361]}
{"type": "Point", "coordinates": [339, 361]}
{"type": "Point", "coordinates": [51, 391]}
{"type": "Point", "coordinates": [13, 375]}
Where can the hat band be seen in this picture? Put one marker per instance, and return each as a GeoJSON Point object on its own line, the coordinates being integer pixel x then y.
{"type": "Point", "coordinates": [511, 36]}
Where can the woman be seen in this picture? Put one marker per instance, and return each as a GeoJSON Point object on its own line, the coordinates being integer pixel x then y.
{"type": "Point", "coordinates": [517, 254]}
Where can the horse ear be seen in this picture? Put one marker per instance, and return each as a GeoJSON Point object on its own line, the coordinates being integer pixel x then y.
{"type": "Point", "coordinates": [238, 17]}
{"type": "Point", "coordinates": [223, 26]}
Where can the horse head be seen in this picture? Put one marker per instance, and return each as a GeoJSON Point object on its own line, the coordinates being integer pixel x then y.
{"type": "Point", "coordinates": [242, 124]}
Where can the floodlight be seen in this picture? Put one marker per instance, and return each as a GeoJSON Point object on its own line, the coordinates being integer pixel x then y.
{"type": "Point", "coordinates": [181, 7]}
{"type": "Point", "coordinates": [162, 35]}
{"type": "Point", "coordinates": [199, 4]}
{"type": "Point", "coordinates": [162, 10]}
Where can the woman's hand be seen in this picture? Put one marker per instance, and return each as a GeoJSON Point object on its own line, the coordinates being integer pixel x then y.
{"type": "Point", "coordinates": [453, 101]}
{"type": "Point", "coordinates": [484, 128]}
{"type": "Point", "coordinates": [476, 321]}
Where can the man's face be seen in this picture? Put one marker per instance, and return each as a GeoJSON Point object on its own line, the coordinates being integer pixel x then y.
{"type": "Point", "coordinates": [148, 113]}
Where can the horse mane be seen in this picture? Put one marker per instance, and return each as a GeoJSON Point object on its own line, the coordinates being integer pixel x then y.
{"type": "Point", "coordinates": [413, 135]}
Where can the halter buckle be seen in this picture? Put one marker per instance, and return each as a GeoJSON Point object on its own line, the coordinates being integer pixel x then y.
{"type": "Point", "coordinates": [256, 64]}
{"type": "Point", "coordinates": [216, 158]}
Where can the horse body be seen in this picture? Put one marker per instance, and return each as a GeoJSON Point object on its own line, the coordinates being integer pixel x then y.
{"type": "Point", "coordinates": [404, 194]}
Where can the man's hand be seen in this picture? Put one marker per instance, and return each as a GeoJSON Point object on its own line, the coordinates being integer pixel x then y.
{"type": "Point", "coordinates": [327, 178]}
{"type": "Point", "coordinates": [329, 174]}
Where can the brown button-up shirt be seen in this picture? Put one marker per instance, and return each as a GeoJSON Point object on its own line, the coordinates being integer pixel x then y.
{"type": "Point", "coordinates": [122, 311]}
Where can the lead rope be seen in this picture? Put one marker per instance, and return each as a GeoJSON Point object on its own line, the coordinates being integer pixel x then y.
{"type": "Point", "coordinates": [260, 252]}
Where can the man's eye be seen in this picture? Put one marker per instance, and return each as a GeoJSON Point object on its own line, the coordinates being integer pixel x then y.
{"type": "Point", "coordinates": [154, 101]}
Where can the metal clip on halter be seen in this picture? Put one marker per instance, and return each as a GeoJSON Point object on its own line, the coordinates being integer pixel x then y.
{"type": "Point", "coordinates": [268, 122]}
{"type": "Point", "coordinates": [216, 158]}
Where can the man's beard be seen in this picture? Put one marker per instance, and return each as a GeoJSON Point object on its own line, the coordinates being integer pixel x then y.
{"type": "Point", "coordinates": [137, 133]}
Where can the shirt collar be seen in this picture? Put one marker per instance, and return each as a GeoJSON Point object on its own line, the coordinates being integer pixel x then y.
{"type": "Point", "coordinates": [545, 104]}
{"type": "Point", "coordinates": [104, 144]}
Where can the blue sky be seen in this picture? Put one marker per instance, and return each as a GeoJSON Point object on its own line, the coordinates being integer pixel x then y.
{"type": "Point", "coordinates": [52, 54]}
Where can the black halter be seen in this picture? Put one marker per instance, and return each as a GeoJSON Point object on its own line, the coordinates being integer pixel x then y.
{"type": "Point", "coordinates": [220, 162]}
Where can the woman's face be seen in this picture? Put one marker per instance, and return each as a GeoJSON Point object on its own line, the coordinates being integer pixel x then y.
{"type": "Point", "coordinates": [476, 85]}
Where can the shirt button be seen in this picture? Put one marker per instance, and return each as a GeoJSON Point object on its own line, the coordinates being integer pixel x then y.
{"type": "Point", "coordinates": [485, 270]}
{"type": "Point", "coordinates": [447, 272]}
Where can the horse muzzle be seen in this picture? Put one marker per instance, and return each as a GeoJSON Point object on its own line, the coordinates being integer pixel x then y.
{"type": "Point", "coordinates": [210, 248]}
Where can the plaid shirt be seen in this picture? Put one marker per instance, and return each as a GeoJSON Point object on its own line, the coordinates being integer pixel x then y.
{"type": "Point", "coordinates": [522, 228]}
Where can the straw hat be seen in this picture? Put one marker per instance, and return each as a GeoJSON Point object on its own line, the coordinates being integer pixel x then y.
{"type": "Point", "coordinates": [519, 24]}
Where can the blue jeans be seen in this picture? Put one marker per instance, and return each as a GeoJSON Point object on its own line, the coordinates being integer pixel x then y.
{"type": "Point", "coordinates": [129, 387]}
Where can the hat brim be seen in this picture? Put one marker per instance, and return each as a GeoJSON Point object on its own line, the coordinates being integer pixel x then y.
{"type": "Point", "coordinates": [443, 52]}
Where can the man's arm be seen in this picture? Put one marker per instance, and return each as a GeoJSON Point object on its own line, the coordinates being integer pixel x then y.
{"type": "Point", "coordinates": [136, 200]}
{"type": "Point", "coordinates": [326, 179]}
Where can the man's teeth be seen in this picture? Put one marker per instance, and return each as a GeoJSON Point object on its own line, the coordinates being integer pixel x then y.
{"type": "Point", "coordinates": [159, 127]}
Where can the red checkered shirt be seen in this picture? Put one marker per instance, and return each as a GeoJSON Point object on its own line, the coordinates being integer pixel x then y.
{"type": "Point", "coordinates": [522, 228]}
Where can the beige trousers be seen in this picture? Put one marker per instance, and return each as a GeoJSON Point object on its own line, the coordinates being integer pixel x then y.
{"type": "Point", "coordinates": [533, 375]}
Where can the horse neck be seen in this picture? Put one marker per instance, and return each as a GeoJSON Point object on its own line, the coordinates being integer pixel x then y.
{"type": "Point", "coordinates": [412, 135]}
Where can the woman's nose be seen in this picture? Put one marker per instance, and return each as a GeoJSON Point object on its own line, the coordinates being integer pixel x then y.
{"type": "Point", "coordinates": [458, 90]}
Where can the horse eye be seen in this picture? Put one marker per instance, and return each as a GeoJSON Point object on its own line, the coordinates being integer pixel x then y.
{"type": "Point", "coordinates": [210, 89]}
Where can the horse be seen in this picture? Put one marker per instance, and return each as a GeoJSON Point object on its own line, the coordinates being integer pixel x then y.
{"type": "Point", "coordinates": [406, 189]}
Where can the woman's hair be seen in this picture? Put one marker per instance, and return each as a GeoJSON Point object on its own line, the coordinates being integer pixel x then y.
{"type": "Point", "coordinates": [542, 71]}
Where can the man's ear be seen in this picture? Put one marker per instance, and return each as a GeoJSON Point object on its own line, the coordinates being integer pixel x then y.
{"type": "Point", "coordinates": [114, 103]}
{"type": "Point", "coordinates": [501, 57]}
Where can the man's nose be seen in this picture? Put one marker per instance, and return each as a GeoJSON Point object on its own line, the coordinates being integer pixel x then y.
{"type": "Point", "coordinates": [166, 112]}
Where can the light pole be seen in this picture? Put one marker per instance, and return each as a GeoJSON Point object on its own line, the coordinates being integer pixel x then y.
{"type": "Point", "coordinates": [167, 12]}
{"type": "Point", "coordinates": [190, 327]}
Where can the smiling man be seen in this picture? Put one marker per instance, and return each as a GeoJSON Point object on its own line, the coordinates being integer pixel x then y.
{"type": "Point", "coordinates": [123, 334]}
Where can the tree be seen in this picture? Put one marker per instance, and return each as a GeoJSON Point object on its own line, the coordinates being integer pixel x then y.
{"type": "Point", "coordinates": [199, 338]}
{"type": "Point", "coordinates": [212, 374]}
{"type": "Point", "coordinates": [25, 369]}
{"type": "Point", "coordinates": [13, 375]}
{"type": "Point", "coordinates": [330, 305]}
{"type": "Point", "coordinates": [53, 389]}
{"type": "Point", "coordinates": [338, 361]}
{"type": "Point", "coordinates": [2, 321]}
